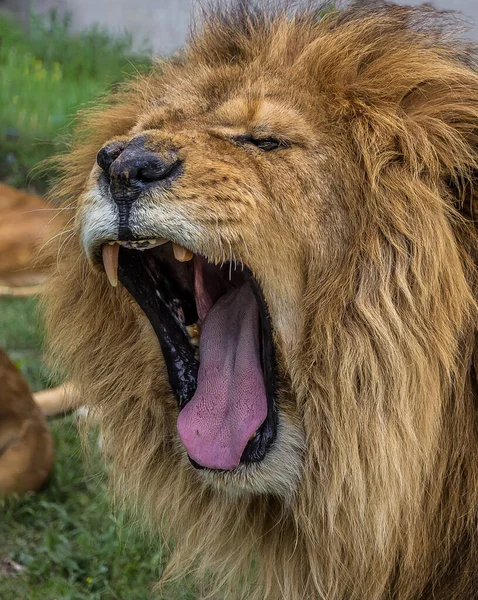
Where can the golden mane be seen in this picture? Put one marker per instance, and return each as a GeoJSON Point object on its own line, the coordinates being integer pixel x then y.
{"type": "Point", "coordinates": [383, 378]}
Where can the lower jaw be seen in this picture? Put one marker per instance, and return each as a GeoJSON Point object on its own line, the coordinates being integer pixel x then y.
{"type": "Point", "coordinates": [151, 293]}
{"type": "Point", "coordinates": [255, 451]}
{"type": "Point", "coordinates": [278, 475]}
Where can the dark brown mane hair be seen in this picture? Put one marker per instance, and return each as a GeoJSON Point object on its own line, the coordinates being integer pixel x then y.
{"type": "Point", "coordinates": [384, 378]}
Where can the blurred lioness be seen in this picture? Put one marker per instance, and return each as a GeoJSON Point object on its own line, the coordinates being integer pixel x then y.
{"type": "Point", "coordinates": [26, 446]}
{"type": "Point", "coordinates": [271, 299]}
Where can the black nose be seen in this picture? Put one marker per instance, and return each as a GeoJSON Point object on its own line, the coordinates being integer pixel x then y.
{"type": "Point", "coordinates": [132, 169]}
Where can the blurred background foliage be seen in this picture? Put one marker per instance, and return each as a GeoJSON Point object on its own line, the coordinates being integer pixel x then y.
{"type": "Point", "coordinates": [66, 542]}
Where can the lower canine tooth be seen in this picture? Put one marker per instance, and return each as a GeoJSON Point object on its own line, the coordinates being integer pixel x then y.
{"type": "Point", "coordinates": [110, 262]}
{"type": "Point", "coordinates": [182, 254]}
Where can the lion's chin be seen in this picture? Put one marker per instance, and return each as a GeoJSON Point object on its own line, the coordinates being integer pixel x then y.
{"type": "Point", "coordinates": [215, 332]}
{"type": "Point", "coordinates": [278, 474]}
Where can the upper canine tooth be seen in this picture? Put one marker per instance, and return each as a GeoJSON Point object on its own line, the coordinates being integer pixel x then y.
{"type": "Point", "coordinates": [109, 254]}
{"type": "Point", "coordinates": [181, 254]}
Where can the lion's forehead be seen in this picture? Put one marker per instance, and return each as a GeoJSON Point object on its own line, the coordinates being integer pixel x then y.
{"type": "Point", "coordinates": [252, 105]}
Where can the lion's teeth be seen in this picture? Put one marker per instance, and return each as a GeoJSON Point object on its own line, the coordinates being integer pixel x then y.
{"type": "Point", "coordinates": [182, 254]}
{"type": "Point", "coordinates": [193, 330]}
{"type": "Point", "coordinates": [110, 262]}
{"type": "Point", "coordinates": [158, 242]}
{"type": "Point", "coordinates": [194, 334]}
{"type": "Point", "coordinates": [142, 244]}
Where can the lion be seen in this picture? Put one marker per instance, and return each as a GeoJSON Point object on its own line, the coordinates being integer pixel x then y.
{"type": "Point", "coordinates": [269, 300]}
{"type": "Point", "coordinates": [26, 446]}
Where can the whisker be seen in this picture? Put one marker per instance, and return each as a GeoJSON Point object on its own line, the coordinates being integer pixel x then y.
{"type": "Point", "coordinates": [230, 260]}
{"type": "Point", "coordinates": [52, 219]}
{"type": "Point", "coordinates": [54, 237]}
{"type": "Point", "coordinates": [63, 246]}
{"type": "Point", "coordinates": [35, 210]}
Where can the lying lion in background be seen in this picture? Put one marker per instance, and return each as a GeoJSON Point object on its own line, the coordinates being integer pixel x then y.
{"type": "Point", "coordinates": [26, 445]}
{"type": "Point", "coordinates": [285, 360]}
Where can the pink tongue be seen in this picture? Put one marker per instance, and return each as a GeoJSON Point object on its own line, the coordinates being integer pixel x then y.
{"type": "Point", "coordinates": [230, 402]}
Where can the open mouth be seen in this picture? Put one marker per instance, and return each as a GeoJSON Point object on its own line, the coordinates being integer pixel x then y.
{"type": "Point", "coordinates": [215, 333]}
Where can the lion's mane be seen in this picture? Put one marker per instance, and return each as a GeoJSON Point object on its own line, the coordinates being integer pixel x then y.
{"type": "Point", "coordinates": [384, 378]}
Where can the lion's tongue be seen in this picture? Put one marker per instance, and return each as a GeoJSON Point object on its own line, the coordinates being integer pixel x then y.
{"type": "Point", "coordinates": [230, 402]}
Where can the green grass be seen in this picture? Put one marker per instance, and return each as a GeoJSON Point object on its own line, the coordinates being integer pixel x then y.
{"type": "Point", "coordinates": [45, 77]}
{"type": "Point", "coordinates": [73, 545]}
{"type": "Point", "coordinates": [70, 542]}
{"type": "Point", "coordinates": [22, 337]}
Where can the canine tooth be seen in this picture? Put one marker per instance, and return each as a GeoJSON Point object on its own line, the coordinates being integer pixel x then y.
{"type": "Point", "coordinates": [110, 262]}
{"type": "Point", "coordinates": [182, 254]}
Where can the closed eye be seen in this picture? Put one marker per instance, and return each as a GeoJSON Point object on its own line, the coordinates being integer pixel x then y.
{"type": "Point", "coordinates": [265, 144]}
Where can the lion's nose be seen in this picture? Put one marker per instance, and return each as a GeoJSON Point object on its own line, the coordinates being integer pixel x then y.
{"type": "Point", "coordinates": [132, 169]}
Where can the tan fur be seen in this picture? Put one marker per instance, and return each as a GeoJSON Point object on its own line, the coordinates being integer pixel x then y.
{"type": "Point", "coordinates": [58, 400]}
{"type": "Point", "coordinates": [26, 445]}
{"type": "Point", "coordinates": [361, 236]}
{"type": "Point", "coordinates": [24, 227]}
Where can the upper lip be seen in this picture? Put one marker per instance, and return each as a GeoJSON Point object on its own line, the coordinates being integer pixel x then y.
{"type": "Point", "coordinates": [145, 242]}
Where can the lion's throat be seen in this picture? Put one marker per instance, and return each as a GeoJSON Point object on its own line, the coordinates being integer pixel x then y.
{"type": "Point", "coordinates": [230, 402]}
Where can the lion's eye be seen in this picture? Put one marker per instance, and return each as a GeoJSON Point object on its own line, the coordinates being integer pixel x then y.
{"type": "Point", "coordinates": [265, 144]}
{"type": "Point", "coordinates": [268, 144]}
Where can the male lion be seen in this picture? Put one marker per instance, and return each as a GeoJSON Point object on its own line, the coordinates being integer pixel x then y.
{"type": "Point", "coordinates": [294, 193]}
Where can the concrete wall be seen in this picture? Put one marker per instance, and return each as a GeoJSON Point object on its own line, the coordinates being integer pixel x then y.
{"type": "Point", "coordinates": [21, 9]}
{"type": "Point", "coordinates": [163, 24]}
{"type": "Point", "coordinates": [468, 7]}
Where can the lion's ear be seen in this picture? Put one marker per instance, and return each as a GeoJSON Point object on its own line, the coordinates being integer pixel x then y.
{"type": "Point", "coordinates": [440, 130]}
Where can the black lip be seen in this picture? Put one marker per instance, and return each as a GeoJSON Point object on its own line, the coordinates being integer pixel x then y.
{"type": "Point", "coordinates": [164, 289]}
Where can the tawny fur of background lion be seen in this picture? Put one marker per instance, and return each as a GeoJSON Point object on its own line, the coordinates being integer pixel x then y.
{"type": "Point", "coordinates": [365, 237]}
